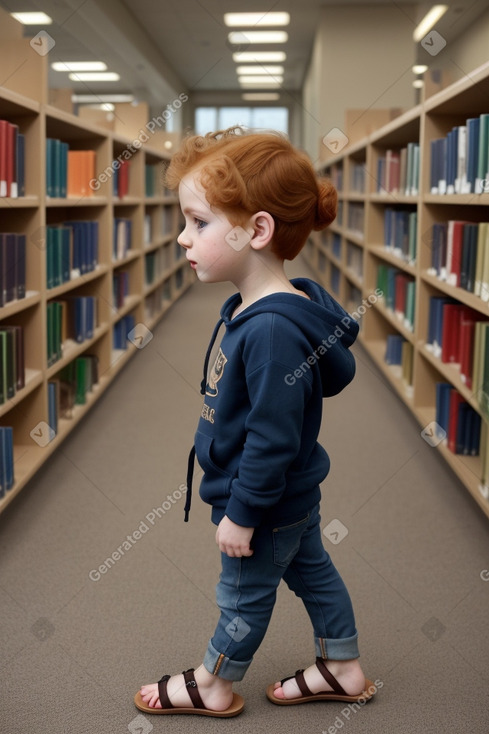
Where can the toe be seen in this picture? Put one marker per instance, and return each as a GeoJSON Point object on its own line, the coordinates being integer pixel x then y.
{"type": "Point", "coordinates": [278, 691]}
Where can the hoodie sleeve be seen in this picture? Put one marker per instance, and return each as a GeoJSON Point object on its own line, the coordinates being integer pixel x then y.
{"type": "Point", "coordinates": [275, 421]}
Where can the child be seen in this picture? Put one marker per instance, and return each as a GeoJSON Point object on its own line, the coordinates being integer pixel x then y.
{"type": "Point", "coordinates": [250, 201]}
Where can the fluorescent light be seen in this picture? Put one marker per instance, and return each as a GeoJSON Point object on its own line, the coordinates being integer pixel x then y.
{"type": "Point", "coordinates": [431, 18]}
{"type": "Point", "coordinates": [98, 98]}
{"type": "Point", "coordinates": [419, 68]}
{"type": "Point", "coordinates": [260, 69]}
{"type": "Point", "coordinates": [88, 76]}
{"type": "Point", "coordinates": [256, 19]}
{"type": "Point", "coordinates": [260, 79]}
{"type": "Point", "coordinates": [245, 57]}
{"type": "Point", "coordinates": [262, 85]}
{"type": "Point", "coordinates": [32, 18]}
{"type": "Point", "coordinates": [105, 107]}
{"type": "Point", "coordinates": [242, 38]}
{"type": "Point", "coordinates": [260, 96]}
{"type": "Point", "coordinates": [79, 66]}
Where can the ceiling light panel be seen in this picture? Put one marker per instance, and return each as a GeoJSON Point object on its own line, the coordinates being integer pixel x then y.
{"type": "Point", "coordinates": [79, 66]}
{"type": "Point", "coordinates": [32, 18]}
{"type": "Point", "coordinates": [265, 69]}
{"type": "Point", "coordinates": [245, 37]}
{"type": "Point", "coordinates": [264, 19]}
{"type": "Point", "coordinates": [253, 57]}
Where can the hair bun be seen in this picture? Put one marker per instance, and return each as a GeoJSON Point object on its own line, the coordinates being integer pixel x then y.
{"type": "Point", "coordinates": [327, 204]}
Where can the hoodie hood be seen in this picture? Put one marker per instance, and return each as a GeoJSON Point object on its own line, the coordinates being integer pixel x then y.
{"type": "Point", "coordinates": [329, 329]}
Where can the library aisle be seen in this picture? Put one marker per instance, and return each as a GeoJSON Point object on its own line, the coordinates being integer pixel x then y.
{"type": "Point", "coordinates": [103, 587]}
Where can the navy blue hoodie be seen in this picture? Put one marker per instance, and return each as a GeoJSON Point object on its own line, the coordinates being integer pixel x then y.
{"type": "Point", "coordinates": [256, 440]}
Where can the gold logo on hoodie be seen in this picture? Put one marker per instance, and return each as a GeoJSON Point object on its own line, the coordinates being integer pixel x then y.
{"type": "Point", "coordinates": [216, 374]}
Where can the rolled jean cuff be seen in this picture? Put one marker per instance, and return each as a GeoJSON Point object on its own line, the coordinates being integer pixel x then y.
{"type": "Point", "coordinates": [218, 664]}
{"type": "Point", "coordinates": [344, 648]}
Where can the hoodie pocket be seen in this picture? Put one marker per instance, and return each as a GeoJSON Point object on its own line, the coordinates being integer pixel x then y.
{"type": "Point", "coordinates": [216, 482]}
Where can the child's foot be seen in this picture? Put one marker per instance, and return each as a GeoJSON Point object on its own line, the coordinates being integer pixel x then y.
{"type": "Point", "coordinates": [348, 673]}
{"type": "Point", "coordinates": [216, 693]}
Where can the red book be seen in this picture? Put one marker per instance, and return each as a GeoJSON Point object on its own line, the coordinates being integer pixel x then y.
{"type": "Point", "coordinates": [392, 169]}
{"type": "Point", "coordinates": [450, 340]}
{"type": "Point", "coordinates": [455, 400]}
{"type": "Point", "coordinates": [401, 282]}
{"type": "Point", "coordinates": [3, 157]}
{"type": "Point", "coordinates": [124, 179]}
{"type": "Point", "coordinates": [456, 259]}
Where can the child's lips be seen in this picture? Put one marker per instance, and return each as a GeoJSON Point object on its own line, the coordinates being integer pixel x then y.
{"type": "Point", "coordinates": [193, 264]}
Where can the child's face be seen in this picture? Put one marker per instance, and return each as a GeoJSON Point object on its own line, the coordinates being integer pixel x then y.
{"type": "Point", "coordinates": [214, 247]}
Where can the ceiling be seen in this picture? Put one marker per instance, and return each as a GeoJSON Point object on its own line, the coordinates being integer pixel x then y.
{"type": "Point", "coordinates": [162, 48]}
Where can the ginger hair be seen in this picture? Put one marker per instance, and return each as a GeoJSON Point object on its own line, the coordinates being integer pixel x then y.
{"type": "Point", "coordinates": [243, 173]}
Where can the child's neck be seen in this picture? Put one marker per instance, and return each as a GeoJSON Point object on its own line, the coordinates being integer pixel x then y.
{"type": "Point", "coordinates": [265, 278]}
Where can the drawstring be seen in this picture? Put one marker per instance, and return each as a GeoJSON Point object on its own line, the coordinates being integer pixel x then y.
{"type": "Point", "coordinates": [190, 473]}
{"type": "Point", "coordinates": [191, 456]}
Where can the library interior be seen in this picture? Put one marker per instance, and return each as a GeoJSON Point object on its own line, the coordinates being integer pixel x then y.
{"type": "Point", "coordinates": [104, 327]}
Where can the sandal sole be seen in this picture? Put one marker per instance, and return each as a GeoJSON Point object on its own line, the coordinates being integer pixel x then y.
{"type": "Point", "coordinates": [364, 696]}
{"type": "Point", "coordinates": [236, 708]}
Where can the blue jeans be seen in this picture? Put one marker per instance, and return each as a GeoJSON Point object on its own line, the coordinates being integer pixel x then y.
{"type": "Point", "coordinates": [247, 590]}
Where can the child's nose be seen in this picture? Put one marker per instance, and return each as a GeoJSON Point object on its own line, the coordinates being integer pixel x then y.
{"type": "Point", "coordinates": [183, 239]}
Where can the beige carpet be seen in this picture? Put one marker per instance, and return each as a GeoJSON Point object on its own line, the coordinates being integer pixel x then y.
{"type": "Point", "coordinates": [76, 644]}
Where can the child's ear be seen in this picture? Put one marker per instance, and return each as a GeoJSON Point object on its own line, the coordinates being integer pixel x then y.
{"type": "Point", "coordinates": [263, 226]}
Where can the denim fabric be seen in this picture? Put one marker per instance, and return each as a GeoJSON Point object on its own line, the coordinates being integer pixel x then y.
{"type": "Point", "coordinates": [247, 589]}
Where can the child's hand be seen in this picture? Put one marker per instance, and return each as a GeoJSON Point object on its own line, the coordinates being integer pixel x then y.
{"type": "Point", "coordinates": [233, 540]}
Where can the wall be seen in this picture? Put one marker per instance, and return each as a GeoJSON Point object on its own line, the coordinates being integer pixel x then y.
{"type": "Point", "coordinates": [362, 59]}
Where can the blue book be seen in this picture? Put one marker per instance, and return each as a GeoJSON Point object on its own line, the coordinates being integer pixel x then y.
{"type": "Point", "coordinates": [443, 391]}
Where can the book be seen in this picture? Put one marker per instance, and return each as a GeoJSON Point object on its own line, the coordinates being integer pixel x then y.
{"type": "Point", "coordinates": [53, 404]}
{"type": "Point", "coordinates": [12, 160]}
{"type": "Point", "coordinates": [393, 353]}
{"type": "Point", "coordinates": [12, 266]}
{"type": "Point", "coordinates": [7, 477]}
{"type": "Point", "coordinates": [80, 171]}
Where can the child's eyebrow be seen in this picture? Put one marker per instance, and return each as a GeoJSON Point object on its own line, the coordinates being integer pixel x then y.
{"type": "Point", "coordinates": [196, 212]}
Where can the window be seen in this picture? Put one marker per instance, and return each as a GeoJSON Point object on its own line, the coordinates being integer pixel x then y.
{"type": "Point", "coordinates": [209, 119]}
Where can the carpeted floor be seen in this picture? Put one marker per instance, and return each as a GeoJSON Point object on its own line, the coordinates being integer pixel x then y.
{"type": "Point", "coordinates": [77, 643]}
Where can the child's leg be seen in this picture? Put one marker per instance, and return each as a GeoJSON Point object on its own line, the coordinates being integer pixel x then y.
{"type": "Point", "coordinates": [314, 578]}
{"type": "Point", "coordinates": [246, 595]}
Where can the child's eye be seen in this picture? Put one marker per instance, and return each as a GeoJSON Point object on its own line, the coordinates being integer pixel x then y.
{"type": "Point", "coordinates": [199, 223]}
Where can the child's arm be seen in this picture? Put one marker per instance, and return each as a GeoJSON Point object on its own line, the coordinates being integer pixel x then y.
{"type": "Point", "coordinates": [233, 540]}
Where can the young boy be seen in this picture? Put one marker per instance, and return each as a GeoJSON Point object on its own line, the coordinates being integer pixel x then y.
{"type": "Point", "coordinates": [249, 202]}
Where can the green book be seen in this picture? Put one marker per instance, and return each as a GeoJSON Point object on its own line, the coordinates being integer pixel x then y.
{"type": "Point", "coordinates": [413, 226]}
{"type": "Point", "coordinates": [410, 299]}
{"type": "Point", "coordinates": [81, 378]}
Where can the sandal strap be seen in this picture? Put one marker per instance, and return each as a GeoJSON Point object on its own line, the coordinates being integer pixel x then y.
{"type": "Point", "coordinates": [301, 682]}
{"type": "Point", "coordinates": [329, 677]}
{"type": "Point", "coordinates": [164, 700]}
{"type": "Point", "coordinates": [192, 688]}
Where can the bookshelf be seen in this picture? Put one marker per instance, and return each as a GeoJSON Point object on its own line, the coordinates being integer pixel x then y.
{"type": "Point", "coordinates": [127, 303]}
{"type": "Point", "coordinates": [383, 242]}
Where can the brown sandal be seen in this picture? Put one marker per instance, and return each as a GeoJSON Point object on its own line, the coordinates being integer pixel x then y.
{"type": "Point", "coordinates": [337, 694]}
{"type": "Point", "coordinates": [198, 706]}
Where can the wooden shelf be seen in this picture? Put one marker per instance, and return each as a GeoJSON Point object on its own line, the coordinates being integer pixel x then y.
{"type": "Point", "coordinates": [359, 164]}
{"type": "Point", "coordinates": [32, 214]}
